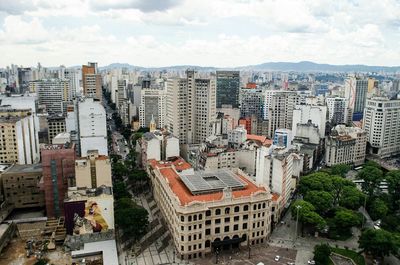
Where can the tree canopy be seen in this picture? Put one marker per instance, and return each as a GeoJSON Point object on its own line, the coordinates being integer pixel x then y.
{"type": "Point", "coordinates": [321, 254]}
{"type": "Point", "coordinates": [340, 169]}
{"type": "Point", "coordinates": [378, 242]}
{"type": "Point", "coordinates": [372, 177]}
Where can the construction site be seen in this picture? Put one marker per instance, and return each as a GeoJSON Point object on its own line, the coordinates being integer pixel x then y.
{"type": "Point", "coordinates": [23, 242]}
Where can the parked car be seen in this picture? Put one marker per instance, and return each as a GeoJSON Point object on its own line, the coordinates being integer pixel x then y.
{"type": "Point", "coordinates": [277, 258]}
{"type": "Point", "coordinates": [311, 262]}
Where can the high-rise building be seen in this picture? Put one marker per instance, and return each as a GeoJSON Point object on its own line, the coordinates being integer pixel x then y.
{"type": "Point", "coordinates": [92, 127]}
{"type": "Point", "coordinates": [337, 110]}
{"type": "Point", "coordinates": [228, 86]}
{"type": "Point", "coordinates": [280, 110]}
{"type": "Point", "coordinates": [152, 106]}
{"type": "Point", "coordinates": [382, 124]}
{"type": "Point", "coordinates": [93, 171]}
{"type": "Point", "coordinates": [251, 103]}
{"type": "Point", "coordinates": [345, 145]}
{"type": "Point", "coordinates": [191, 108]}
{"type": "Point", "coordinates": [356, 90]}
{"type": "Point", "coordinates": [283, 138]}
{"type": "Point", "coordinates": [19, 137]}
{"type": "Point", "coordinates": [304, 113]}
{"type": "Point", "coordinates": [73, 76]}
{"type": "Point", "coordinates": [91, 81]}
{"type": "Point", "coordinates": [396, 85]}
{"type": "Point", "coordinates": [54, 94]}
{"type": "Point", "coordinates": [58, 162]}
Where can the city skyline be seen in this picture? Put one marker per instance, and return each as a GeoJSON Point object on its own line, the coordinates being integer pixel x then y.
{"type": "Point", "coordinates": [205, 33]}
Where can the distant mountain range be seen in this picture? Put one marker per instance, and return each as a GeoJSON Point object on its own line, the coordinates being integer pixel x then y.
{"type": "Point", "coordinates": [304, 66]}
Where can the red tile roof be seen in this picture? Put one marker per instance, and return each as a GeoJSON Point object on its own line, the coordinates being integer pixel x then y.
{"type": "Point", "coordinates": [185, 196]}
{"type": "Point", "coordinates": [262, 139]}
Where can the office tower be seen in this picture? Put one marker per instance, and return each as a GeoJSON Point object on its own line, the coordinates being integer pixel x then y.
{"type": "Point", "coordinates": [114, 89]}
{"type": "Point", "coordinates": [337, 110]}
{"type": "Point", "coordinates": [18, 136]}
{"type": "Point", "coordinates": [396, 85]}
{"type": "Point", "coordinates": [93, 171]}
{"type": "Point", "coordinates": [228, 86]}
{"type": "Point", "coordinates": [54, 94]}
{"type": "Point", "coordinates": [355, 91]}
{"type": "Point", "coordinates": [280, 110]}
{"type": "Point", "coordinates": [237, 211]}
{"type": "Point", "coordinates": [304, 113]}
{"type": "Point", "coordinates": [191, 108]}
{"type": "Point", "coordinates": [24, 77]}
{"type": "Point", "coordinates": [345, 145]}
{"type": "Point", "coordinates": [56, 125]}
{"type": "Point", "coordinates": [73, 76]}
{"type": "Point", "coordinates": [152, 106]}
{"type": "Point", "coordinates": [92, 127]}
{"type": "Point", "coordinates": [21, 185]}
{"type": "Point", "coordinates": [91, 81]}
{"type": "Point", "coordinates": [58, 163]}
{"type": "Point", "coordinates": [122, 102]}
{"type": "Point", "coordinates": [251, 103]}
{"type": "Point", "coordinates": [382, 124]}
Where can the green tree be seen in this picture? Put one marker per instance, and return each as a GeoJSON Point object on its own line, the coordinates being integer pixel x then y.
{"type": "Point", "coordinates": [338, 185]}
{"type": "Point", "coordinates": [340, 170]}
{"type": "Point", "coordinates": [307, 214]}
{"type": "Point", "coordinates": [120, 170]}
{"type": "Point", "coordinates": [378, 242]}
{"type": "Point", "coordinates": [316, 181]}
{"type": "Point", "coordinates": [344, 219]}
{"type": "Point", "coordinates": [372, 177]}
{"type": "Point", "coordinates": [321, 254]}
{"type": "Point", "coordinates": [137, 175]}
{"type": "Point", "coordinates": [133, 221]}
{"type": "Point", "coordinates": [120, 190]}
{"type": "Point", "coordinates": [321, 200]}
{"type": "Point", "coordinates": [125, 203]}
{"type": "Point", "coordinates": [393, 181]}
{"type": "Point", "coordinates": [377, 209]}
{"type": "Point", "coordinates": [351, 198]}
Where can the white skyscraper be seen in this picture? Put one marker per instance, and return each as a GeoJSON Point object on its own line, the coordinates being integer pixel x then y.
{"type": "Point", "coordinates": [304, 113]}
{"type": "Point", "coordinates": [191, 107]}
{"type": "Point", "coordinates": [337, 110]}
{"type": "Point", "coordinates": [382, 124]}
{"type": "Point", "coordinates": [92, 126]}
{"type": "Point", "coordinates": [152, 105]}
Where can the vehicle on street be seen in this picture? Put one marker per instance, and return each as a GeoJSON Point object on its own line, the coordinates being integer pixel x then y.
{"type": "Point", "coordinates": [277, 258]}
{"type": "Point", "coordinates": [311, 262]}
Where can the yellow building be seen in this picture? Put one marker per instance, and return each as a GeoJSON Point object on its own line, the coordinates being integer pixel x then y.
{"type": "Point", "coordinates": [92, 171]}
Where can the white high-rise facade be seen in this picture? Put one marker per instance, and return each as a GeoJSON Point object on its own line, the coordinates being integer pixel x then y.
{"type": "Point", "coordinates": [152, 105]}
{"type": "Point", "coordinates": [53, 93]}
{"type": "Point", "coordinates": [280, 110]}
{"type": "Point", "coordinates": [191, 107]}
{"type": "Point", "coordinates": [337, 110]}
{"type": "Point", "coordinates": [92, 126]}
{"type": "Point", "coordinates": [304, 113]}
{"type": "Point", "coordinates": [382, 124]}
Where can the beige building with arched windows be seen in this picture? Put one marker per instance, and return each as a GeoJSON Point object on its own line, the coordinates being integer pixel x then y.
{"type": "Point", "coordinates": [210, 210]}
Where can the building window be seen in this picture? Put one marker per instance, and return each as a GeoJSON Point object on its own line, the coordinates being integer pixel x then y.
{"type": "Point", "coordinates": [208, 213]}
{"type": "Point", "coordinates": [236, 218]}
{"type": "Point", "coordinates": [217, 211]}
{"type": "Point", "coordinates": [236, 209]}
{"type": "Point", "coordinates": [245, 217]}
{"type": "Point", "coordinates": [208, 222]}
{"type": "Point", "coordinates": [244, 226]}
{"type": "Point", "coordinates": [245, 208]}
{"type": "Point", "coordinates": [218, 221]}
{"type": "Point", "coordinates": [182, 238]}
{"type": "Point", "coordinates": [226, 229]}
{"type": "Point", "coordinates": [255, 207]}
{"type": "Point", "coordinates": [189, 218]}
{"type": "Point", "coordinates": [182, 218]}
{"type": "Point", "coordinates": [208, 232]}
{"type": "Point", "coordinates": [227, 210]}
{"type": "Point", "coordinates": [217, 230]}
{"type": "Point", "coordinates": [200, 217]}
{"type": "Point", "coordinates": [227, 220]}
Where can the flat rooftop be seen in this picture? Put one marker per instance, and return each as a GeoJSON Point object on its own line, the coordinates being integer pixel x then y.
{"type": "Point", "coordinates": [202, 182]}
{"type": "Point", "coordinates": [24, 169]}
{"type": "Point", "coordinates": [170, 172]}
{"type": "Point", "coordinates": [107, 248]}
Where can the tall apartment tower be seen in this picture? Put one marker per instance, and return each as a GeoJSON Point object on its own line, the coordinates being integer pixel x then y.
{"type": "Point", "coordinates": [58, 163]}
{"type": "Point", "coordinates": [19, 139]}
{"type": "Point", "coordinates": [382, 124]}
{"type": "Point", "coordinates": [355, 91]}
{"type": "Point", "coordinates": [152, 105]}
{"type": "Point", "coordinates": [280, 110]}
{"type": "Point", "coordinates": [54, 94]}
{"type": "Point", "coordinates": [228, 86]}
{"type": "Point", "coordinates": [191, 107]}
{"type": "Point", "coordinates": [337, 110]}
{"type": "Point", "coordinates": [92, 127]}
{"type": "Point", "coordinates": [251, 103]}
{"type": "Point", "coordinates": [91, 81]}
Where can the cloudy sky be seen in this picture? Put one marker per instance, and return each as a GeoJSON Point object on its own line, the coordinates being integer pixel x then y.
{"type": "Point", "coordinates": [200, 32]}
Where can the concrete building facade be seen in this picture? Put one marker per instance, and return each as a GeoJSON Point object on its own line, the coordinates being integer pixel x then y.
{"type": "Point", "coordinates": [93, 171]}
{"type": "Point", "coordinates": [54, 94]}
